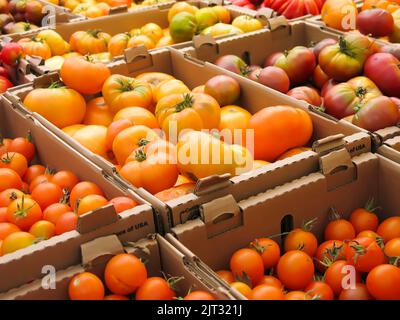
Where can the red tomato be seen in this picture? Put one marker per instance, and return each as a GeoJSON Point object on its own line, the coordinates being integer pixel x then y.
{"type": "Point", "coordinates": [383, 282]}
{"type": "Point", "coordinates": [375, 22]}
{"type": "Point", "coordinates": [155, 288]}
{"type": "Point", "coordinates": [359, 292]}
{"type": "Point", "coordinates": [122, 204]}
{"type": "Point", "coordinates": [269, 251]}
{"type": "Point", "coordinates": [306, 94]}
{"type": "Point", "coordinates": [336, 273]}
{"type": "Point", "coordinates": [320, 290]}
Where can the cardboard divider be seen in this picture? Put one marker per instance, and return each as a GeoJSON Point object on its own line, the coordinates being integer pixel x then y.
{"type": "Point", "coordinates": [298, 201]}
{"type": "Point", "coordinates": [26, 264]}
{"type": "Point", "coordinates": [253, 98]}
{"type": "Point", "coordinates": [163, 258]}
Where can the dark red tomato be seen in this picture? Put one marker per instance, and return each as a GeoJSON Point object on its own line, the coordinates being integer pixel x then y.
{"type": "Point", "coordinates": [4, 72]}
{"type": "Point", "coordinates": [384, 70]}
{"type": "Point", "coordinates": [364, 253]}
{"type": "Point", "coordinates": [233, 63]}
{"type": "Point", "coordinates": [306, 94]}
{"type": "Point", "coordinates": [319, 77]}
{"type": "Point", "coordinates": [321, 45]}
{"type": "Point", "coordinates": [377, 113]}
{"type": "Point", "coordinates": [275, 78]}
{"type": "Point", "coordinates": [375, 22]}
{"type": "Point", "coordinates": [272, 58]}
{"type": "Point", "coordinates": [327, 86]}
{"type": "Point", "coordinates": [299, 64]}
{"type": "Point", "coordinates": [292, 9]}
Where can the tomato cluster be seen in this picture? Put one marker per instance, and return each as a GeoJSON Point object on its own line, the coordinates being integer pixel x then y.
{"type": "Point", "coordinates": [125, 277]}
{"type": "Point", "coordinates": [37, 203]}
{"type": "Point", "coordinates": [352, 78]}
{"type": "Point", "coordinates": [358, 260]}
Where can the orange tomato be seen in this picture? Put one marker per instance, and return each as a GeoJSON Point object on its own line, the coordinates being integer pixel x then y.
{"type": "Point", "coordinates": [4, 145]}
{"type": "Point", "coordinates": [17, 240]}
{"type": "Point", "coordinates": [181, 7]}
{"type": "Point", "coordinates": [43, 229]}
{"type": "Point", "coordinates": [14, 161]}
{"type": "Point", "coordinates": [122, 204]}
{"type": "Point", "coordinates": [297, 295]}
{"type": "Point", "coordinates": [93, 137]}
{"type": "Point", "coordinates": [272, 281]}
{"type": "Point", "coordinates": [65, 179]}
{"type": "Point", "coordinates": [81, 190]}
{"type": "Point", "coordinates": [89, 42]}
{"type": "Point", "coordinates": [24, 213]}
{"type": "Point", "coordinates": [47, 193]}
{"type": "Point", "coordinates": [138, 116]}
{"type": "Point", "coordinates": [124, 273]}
{"type": "Point", "coordinates": [9, 195]}
{"type": "Point", "coordinates": [152, 31]}
{"type": "Point", "coordinates": [269, 251]}
{"type": "Point", "coordinates": [247, 263]}
{"type": "Point", "coordinates": [331, 251]}
{"type": "Point", "coordinates": [199, 295]}
{"type": "Point", "coordinates": [168, 87]}
{"type": "Point", "coordinates": [390, 6]}
{"type": "Point", "coordinates": [259, 163]}
{"type": "Point", "coordinates": [146, 41]}
{"type": "Point", "coordinates": [6, 229]}
{"type": "Point", "coordinates": [155, 288]}
{"type": "Point", "coordinates": [291, 128]}
{"type": "Point", "coordinates": [71, 130]}
{"type": "Point", "coordinates": [392, 248]}
{"type": "Point", "coordinates": [121, 92]}
{"type": "Point", "coordinates": [335, 273]}
{"type": "Point", "coordinates": [86, 286]}
{"type": "Point", "coordinates": [9, 179]}
{"type": "Point", "coordinates": [90, 203]}
{"type": "Point", "coordinates": [66, 222]}
{"type": "Point", "coordinates": [115, 297]}
{"type": "Point", "coordinates": [175, 192]}
{"type": "Point", "coordinates": [364, 218]}
{"type": "Point", "coordinates": [118, 44]}
{"type": "Point", "coordinates": [54, 211]}
{"type": "Point", "coordinates": [293, 152]}
{"type": "Point", "coordinates": [84, 75]}
{"type": "Point", "coordinates": [266, 292]}
{"type": "Point", "coordinates": [114, 128]}
{"type": "Point", "coordinates": [334, 13]}
{"type": "Point", "coordinates": [32, 172]}
{"type": "Point", "coordinates": [226, 275]}
{"type": "Point", "coordinates": [35, 47]}
{"type": "Point", "coordinates": [339, 229]}
{"type": "Point", "coordinates": [24, 146]}
{"type": "Point", "coordinates": [154, 78]}
{"type": "Point", "coordinates": [242, 288]}
{"type": "Point", "coordinates": [234, 121]}
{"type": "Point", "coordinates": [389, 228]}
{"type": "Point", "coordinates": [360, 292]}
{"type": "Point", "coordinates": [182, 180]}
{"type": "Point", "coordinates": [302, 239]}
{"type": "Point", "coordinates": [130, 139]}
{"type": "Point", "coordinates": [319, 290]}
{"type": "Point", "coordinates": [40, 179]}
{"type": "Point", "coordinates": [97, 112]}
{"type": "Point", "coordinates": [3, 214]}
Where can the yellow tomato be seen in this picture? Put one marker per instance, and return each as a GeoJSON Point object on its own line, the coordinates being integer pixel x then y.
{"type": "Point", "coordinates": [243, 288]}
{"type": "Point", "coordinates": [259, 163]}
{"type": "Point", "coordinates": [43, 229]}
{"type": "Point", "coordinates": [233, 124]}
{"type": "Point", "coordinates": [16, 241]}
{"type": "Point", "coordinates": [247, 24]}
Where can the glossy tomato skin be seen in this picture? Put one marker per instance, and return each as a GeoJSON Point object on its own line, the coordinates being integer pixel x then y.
{"type": "Point", "coordinates": [232, 63]}
{"type": "Point", "coordinates": [272, 58]}
{"type": "Point", "coordinates": [327, 86]}
{"type": "Point", "coordinates": [299, 64]}
{"type": "Point", "coordinates": [344, 99]}
{"type": "Point", "coordinates": [383, 282]}
{"type": "Point", "coordinates": [307, 94]}
{"type": "Point", "coordinates": [320, 77]}
{"type": "Point", "coordinates": [377, 113]}
{"type": "Point", "coordinates": [319, 46]}
{"type": "Point", "coordinates": [336, 272]}
{"type": "Point", "coordinates": [224, 89]}
{"type": "Point", "coordinates": [275, 78]}
{"type": "Point", "coordinates": [384, 70]}
{"type": "Point", "coordinates": [155, 288]}
{"type": "Point", "coordinates": [360, 292]}
{"type": "Point", "coordinates": [376, 22]}
{"type": "Point", "coordinates": [247, 262]}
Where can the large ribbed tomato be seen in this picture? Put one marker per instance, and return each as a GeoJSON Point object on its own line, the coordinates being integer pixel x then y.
{"type": "Point", "coordinates": [35, 47]}
{"type": "Point", "coordinates": [89, 42]}
{"type": "Point", "coordinates": [287, 128]}
{"type": "Point", "coordinates": [118, 43]}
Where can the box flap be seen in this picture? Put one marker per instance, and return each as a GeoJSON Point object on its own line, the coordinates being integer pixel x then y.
{"type": "Point", "coordinates": [211, 183]}
{"type": "Point", "coordinates": [118, 9]}
{"type": "Point", "coordinates": [99, 247]}
{"type": "Point", "coordinates": [277, 22]}
{"type": "Point", "coordinates": [328, 144]}
{"type": "Point", "coordinates": [96, 219]}
{"type": "Point", "coordinates": [388, 133]}
{"type": "Point", "coordinates": [137, 58]}
{"type": "Point", "coordinates": [46, 80]}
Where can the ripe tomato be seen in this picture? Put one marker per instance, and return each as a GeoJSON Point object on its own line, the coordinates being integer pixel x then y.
{"type": "Point", "coordinates": [319, 290]}
{"type": "Point", "coordinates": [14, 161]}
{"type": "Point", "coordinates": [320, 78]}
{"type": "Point", "coordinates": [9, 179]}
{"type": "Point", "coordinates": [269, 251]}
{"type": "Point", "coordinates": [65, 179]}
{"type": "Point", "coordinates": [389, 228]}
{"type": "Point", "coordinates": [233, 119]}
{"type": "Point", "coordinates": [175, 192]}
{"type": "Point", "coordinates": [141, 39]}
{"type": "Point", "coordinates": [118, 43]}
{"type": "Point", "coordinates": [307, 94]}
{"type": "Point", "coordinates": [272, 281]}
{"type": "Point", "coordinates": [267, 145]}
{"type": "Point", "coordinates": [154, 78]}
{"type": "Point", "coordinates": [122, 204]}
{"type": "Point", "coordinates": [224, 89]}
{"type": "Point", "coordinates": [297, 295]}
{"type": "Point", "coordinates": [364, 254]}
{"type": "Point", "coordinates": [317, 48]}
{"type": "Point", "coordinates": [302, 239]}
{"type": "Point", "coordinates": [155, 288]}
{"type": "Point", "coordinates": [43, 229]}
{"type": "Point", "coordinates": [6, 229]}
{"type": "Point", "coordinates": [24, 213]}
{"type": "Point", "coordinates": [4, 144]}
{"type": "Point", "coordinates": [9, 195]}
{"type": "Point", "coordinates": [90, 203]}
{"type": "Point", "coordinates": [47, 193]}
{"type": "Point", "coordinates": [242, 288]}
{"type": "Point", "coordinates": [199, 295]}
{"type": "Point", "coordinates": [266, 292]}
{"type": "Point", "coordinates": [32, 172]}
{"type": "Point", "coordinates": [66, 222]}
{"type": "Point", "coordinates": [169, 87]}
{"type": "Point", "coordinates": [83, 189]}
{"type": "Point", "coordinates": [273, 77]}
{"type": "Point", "coordinates": [383, 282]}
{"type": "Point", "coordinates": [89, 42]}
{"type": "Point", "coordinates": [17, 240]}
{"type": "Point", "coordinates": [35, 47]}
{"type": "Point", "coordinates": [247, 263]}
{"type": "Point", "coordinates": [23, 146]}
{"type": "Point", "coordinates": [137, 115]}
{"type": "Point", "coordinates": [114, 128]}
{"type": "Point", "coordinates": [97, 113]}
{"type": "Point", "coordinates": [295, 269]}
{"type": "Point", "coordinates": [335, 274]}
{"type": "Point", "coordinates": [375, 22]}
{"type": "Point", "coordinates": [91, 77]}
{"type": "Point", "coordinates": [86, 286]}
{"type": "Point", "coordinates": [54, 211]}
{"type": "Point", "coordinates": [360, 292]}
{"type": "Point", "coordinates": [339, 229]}
{"type": "Point", "coordinates": [329, 251]}
{"type": "Point", "coordinates": [334, 12]}
{"type": "Point", "coordinates": [115, 297]}
{"type": "Point", "coordinates": [364, 218]}
{"type": "Point", "coordinates": [93, 137]}
{"type": "Point", "coordinates": [38, 180]}
{"type": "Point", "coordinates": [3, 214]}
{"type": "Point", "coordinates": [226, 275]}
{"type": "Point", "coordinates": [124, 273]}
{"type": "Point", "coordinates": [392, 248]}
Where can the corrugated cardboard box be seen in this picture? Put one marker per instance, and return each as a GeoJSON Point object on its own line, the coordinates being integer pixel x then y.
{"type": "Point", "coordinates": [161, 257]}
{"type": "Point", "coordinates": [253, 99]}
{"type": "Point", "coordinates": [342, 182]}
{"type": "Point", "coordinates": [25, 265]}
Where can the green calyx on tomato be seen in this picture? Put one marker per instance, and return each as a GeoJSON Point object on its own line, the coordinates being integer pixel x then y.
{"type": "Point", "coordinates": [22, 212]}
{"type": "Point", "coordinates": [187, 102]}
{"type": "Point", "coordinates": [94, 33]}
{"type": "Point", "coordinates": [140, 155]}
{"type": "Point", "coordinates": [344, 48]}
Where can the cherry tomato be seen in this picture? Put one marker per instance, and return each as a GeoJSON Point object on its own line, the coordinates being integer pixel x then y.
{"type": "Point", "coordinates": [329, 251]}
{"type": "Point", "coordinates": [24, 213]}
{"type": "Point", "coordinates": [389, 228]}
{"type": "Point", "coordinates": [302, 239]}
{"type": "Point", "coordinates": [9, 195]}
{"type": "Point", "coordinates": [86, 286]}
{"type": "Point", "coordinates": [383, 282]}
{"type": "Point", "coordinates": [155, 288]}
{"type": "Point", "coordinates": [65, 179]}
{"type": "Point", "coordinates": [336, 273]}
{"type": "Point", "coordinates": [359, 292]}
{"type": "Point", "coordinates": [269, 251]}
{"type": "Point", "coordinates": [23, 146]}
{"type": "Point", "coordinates": [364, 218]}
{"type": "Point", "coordinates": [226, 275]}
{"type": "Point", "coordinates": [243, 288]}
{"type": "Point", "coordinates": [266, 292]}
{"type": "Point", "coordinates": [297, 295]}
{"type": "Point", "coordinates": [16, 241]}
{"type": "Point", "coordinates": [122, 204]}
{"type": "Point", "coordinates": [247, 263]}
{"type": "Point", "coordinates": [115, 297]}
{"type": "Point", "coordinates": [68, 221]}
{"type": "Point", "coordinates": [90, 203]}
{"type": "Point", "coordinates": [339, 229]}
{"type": "Point", "coordinates": [54, 211]}
{"type": "Point", "coordinates": [33, 172]}
{"type": "Point", "coordinates": [43, 229]}
{"type": "Point", "coordinates": [14, 161]}
{"type": "Point", "coordinates": [320, 290]}
{"type": "Point", "coordinates": [199, 295]}
{"type": "Point", "coordinates": [83, 189]}
{"type": "Point", "coordinates": [272, 281]}
{"type": "Point", "coordinates": [6, 229]}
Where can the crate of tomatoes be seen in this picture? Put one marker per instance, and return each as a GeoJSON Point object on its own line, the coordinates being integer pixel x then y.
{"type": "Point", "coordinates": [331, 234]}
{"type": "Point", "coordinates": [52, 200]}
{"type": "Point", "coordinates": [150, 268]}
{"type": "Point", "coordinates": [133, 120]}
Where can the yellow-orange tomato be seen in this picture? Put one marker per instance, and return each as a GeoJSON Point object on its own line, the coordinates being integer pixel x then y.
{"type": "Point", "coordinates": [120, 92]}
{"type": "Point", "coordinates": [152, 31]}
{"type": "Point", "coordinates": [152, 167]}
{"type": "Point", "coordinates": [54, 41]}
{"type": "Point", "coordinates": [71, 130]}
{"type": "Point", "coordinates": [90, 203]}
{"type": "Point", "coordinates": [98, 113]}
{"type": "Point", "coordinates": [234, 120]}
{"type": "Point", "coordinates": [165, 41]}
{"type": "Point", "coordinates": [9, 195]}
{"type": "Point", "coordinates": [181, 7]}
{"type": "Point", "coordinates": [35, 47]}
{"type": "Point", "coordinates": [17, 240]}
{"type": "Point", "coordinates": [24, 213]}
{"type": "Point", "coordinates": [89, 42]}
{"type": "Point", "coordinates": [297, 295]}
{"type": "Point", "coordinates": [81, 190]}
{"type": "Point", "coordinates": [259, 163]}
{"type": "Point", "coordinates": [335, 12]}
{"type": "Point", "coordinates": [141, 40]}
{"type": "Point", "coordinates": [292, 152]}
{"type": "Point", "coordinates": [390, 6]}
{"type": "Point", "coordinates": [93, 137]}
{"type": "Point", "coordinates": [114, 128]}
{"type": "Point", "coordinates": [154, 78]}
{"type": "Point", "coordinates": [86, 286]}
{"type": "Point", "coordinates": [187, 111]}
{"type": "Point", "coordinates": [392, 248]}
{"type": "Point", "coordinates": [226, 275]}
{"type": "Point", "coordinates": [243, 288]}
{"type": "Point", "coordinates": [14, 161]}
{"type": "Point", "coordinates": [175, 192]}
{"type": "Point", "coordinates": [61, 106]}
{"type": "Point", "coordinates": [223, 14]}
{"type": "Point", "coordinates": [138, 116]}
{"type": "Point", "coordinates": [130, 139]}
{"type": "Point", "coordinates": [199, 89]}
{"type": "Point", "coordinates": [116, 297]}
{"type": "Point", "coordinates": [43, 229]}
{"type": "Point", "coordinates": [7, 228]}
{"type": "Point", "coordinates": [168, 87]}
{"type": "Point", "coordinates": [118, 44]}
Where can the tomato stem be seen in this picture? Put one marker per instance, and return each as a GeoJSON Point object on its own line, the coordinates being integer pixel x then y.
{"type": "Point", "coordinates": [140, 155]}
{"type": "Point", "coordinates": [187, 102]}
{"type": "Point", "coordinates": [308, 225]}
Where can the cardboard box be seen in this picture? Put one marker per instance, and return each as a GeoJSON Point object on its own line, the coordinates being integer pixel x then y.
{"type": "Point", "coordinates": [342, 182]}
{"type": "Point", "coordinates": [253, 98]}
{"type": "Point", "coordinates": [390, 143]}
{"type": "Point", "coordinates": [161, 256]}
{"type": "Point", "coordinates": [25, 265]}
